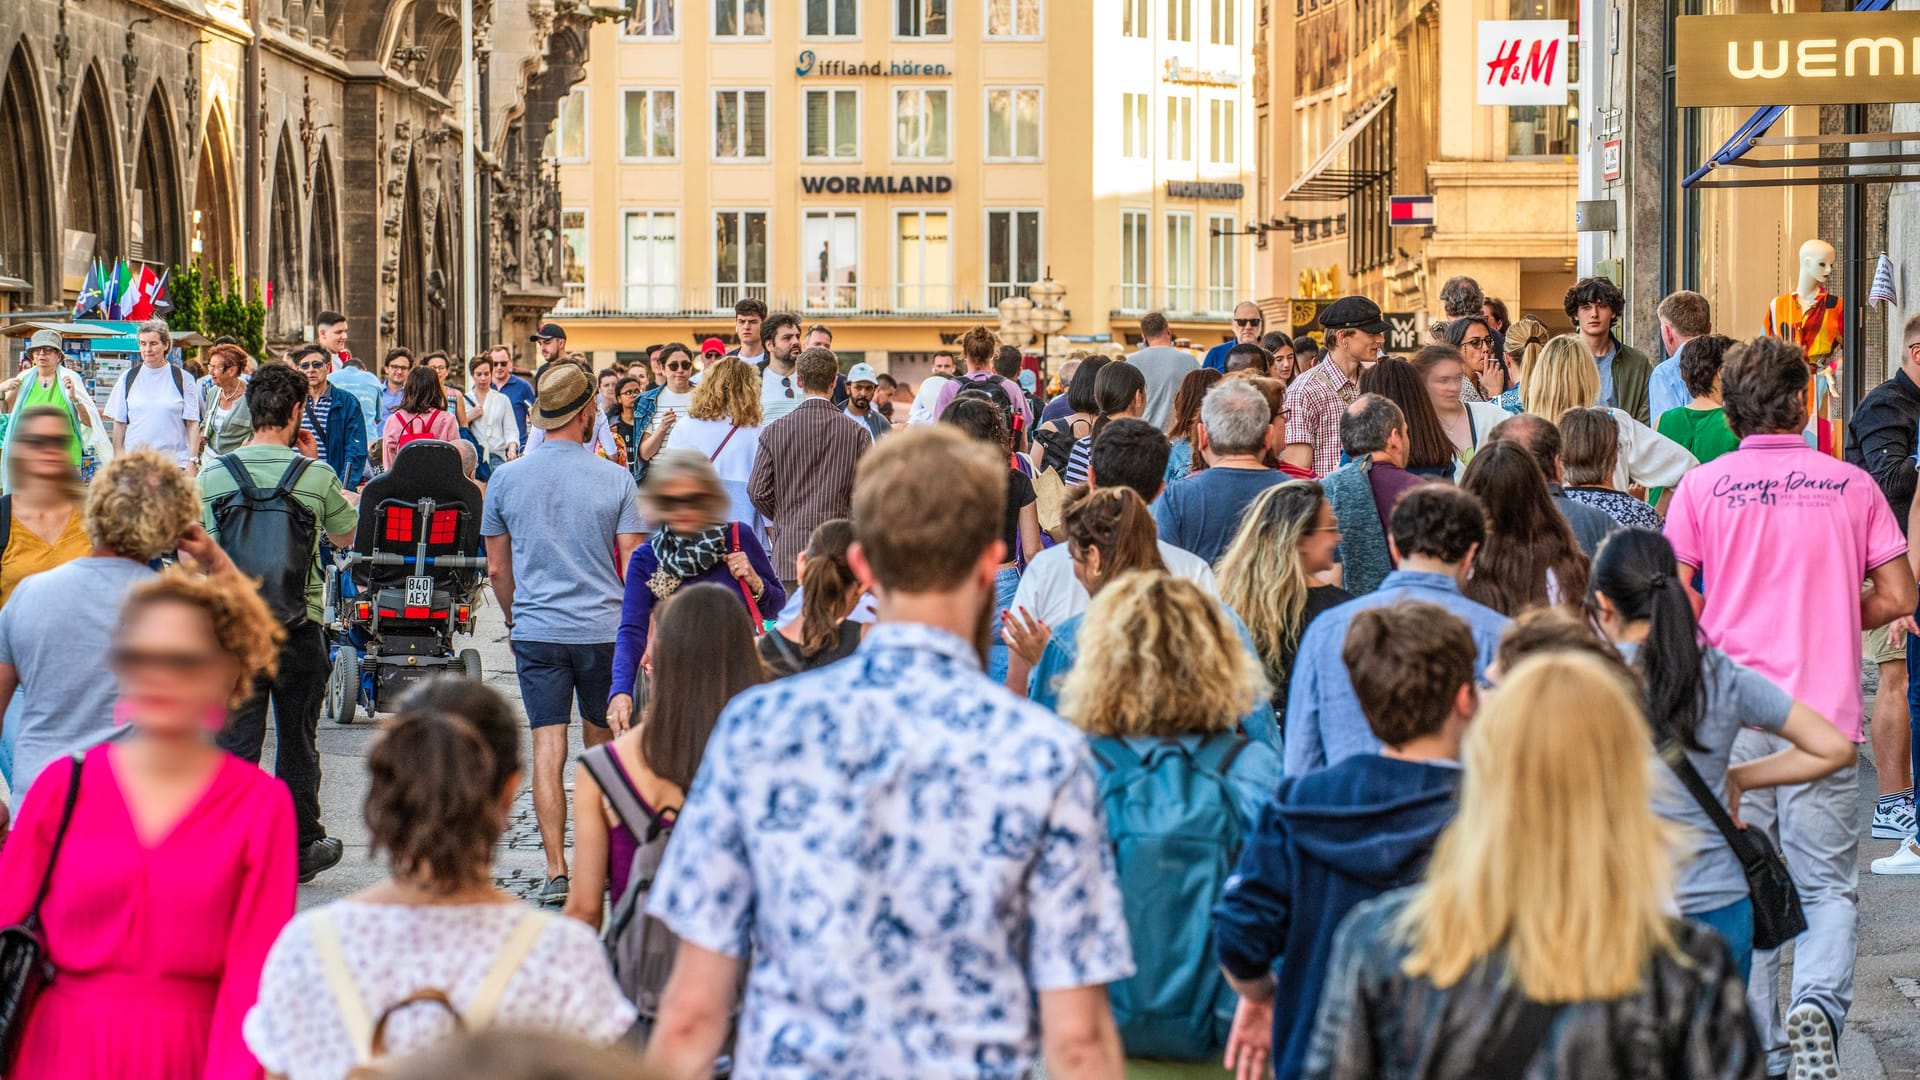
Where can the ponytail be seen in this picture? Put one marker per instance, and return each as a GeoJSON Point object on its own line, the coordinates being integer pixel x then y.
{"type": "Point", "coordinates": [824, 585]}
{"type": "Point", "coordinates": [1114, 390]}
{"type": "Point", "coordinates": [436, 776]}
{"type": "Point", "coordinates": [1634, 570]}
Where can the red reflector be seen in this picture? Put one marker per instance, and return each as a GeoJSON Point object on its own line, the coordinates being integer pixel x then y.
{"type": "Point", "coordinates": [365, 609]}
{"type": "Point", "coordinates": [389, 613]}
{"type": "Point", "coordinates": [465, 613]}
{"type": "Point", "coordinates": [417, 613]}
{"type": "Point", "coordinates": [399, 523]}
{"type": "Point", "coordinates": [444, 528]}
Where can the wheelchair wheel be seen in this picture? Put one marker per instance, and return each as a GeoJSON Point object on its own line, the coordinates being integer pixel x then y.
{"type": "Point", "coordinates": [343, 686]}
{"type": "Point", "coordinates": [470, 663]}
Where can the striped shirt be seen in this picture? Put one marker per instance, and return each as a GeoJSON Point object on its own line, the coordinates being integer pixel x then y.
{"type": "Point", "coordinates": [314, 416]}
{"type": "Point", "coordinates": [1315, 403]}
{"type": "Point", "coordinates": [803, 474]}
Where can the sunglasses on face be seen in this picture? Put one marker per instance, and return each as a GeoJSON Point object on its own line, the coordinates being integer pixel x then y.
{"type": "Point", "coordinates": [126, 660]}
{"type": "Point", "coordinates": [40, 442]}
{"type": "Point", "coordinates": [679, 365]}
{"type": "Point", "coordinates": [1476, 342]}
{"type": "Point", "coordinates": [669, 503]}
{"type": "Point", "coordinates": [313, 365]}
{"type": "Point", "coordinates": [1246, 322]}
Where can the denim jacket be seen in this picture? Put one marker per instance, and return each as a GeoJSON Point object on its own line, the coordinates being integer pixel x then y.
{"type": "Point", "coordinates": [345, 448]}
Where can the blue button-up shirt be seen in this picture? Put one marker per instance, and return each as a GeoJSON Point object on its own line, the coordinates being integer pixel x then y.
{"type": "Point", "coordinates": [1605, 363]}
{"type": "Point", "coordinates": [1665, 388]}
{"type": "Point", "coordinates": [910, 852]}
{"type": "Point", "coordinates": [1324, 721]}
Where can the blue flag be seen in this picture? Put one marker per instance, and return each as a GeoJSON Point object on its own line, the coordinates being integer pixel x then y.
{"type": "Point", "coordinates": [90, 295]}
{"type": "Point", "coordinates": [109, 293]}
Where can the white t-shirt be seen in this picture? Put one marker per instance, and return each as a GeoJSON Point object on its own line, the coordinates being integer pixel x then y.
{"type": "Point", "coordinates": [1049, 591]}
{"type": "Point", "coordinates": [775, 399]}
{"type": "Point", "coordinates": [563, 985]}
{"type": "Point", "coordinates": [925, 399]}
{"type": "Point", "coordinates": [670, 402]}
{"type": "Point", "coordinates": [158, 415]}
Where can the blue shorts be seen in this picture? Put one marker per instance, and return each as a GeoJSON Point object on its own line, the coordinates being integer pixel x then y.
{"type": "Point", "coordinates": [553, 677]}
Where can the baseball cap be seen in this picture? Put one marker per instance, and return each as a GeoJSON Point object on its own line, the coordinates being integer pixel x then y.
{"type": "Point", "coordinates": [1354, 313]}
{"type": "Point", "coordinates": [561, 390]}
{"type": "Point", "coordinates": [549, 331]}
{"type": "Point", "coordinates": [862, 373]}
{"type": "Point", "coordinates": [1027, 380]}
{"type": "Point", "coordinates": [44, 339]}
{"type": "Point", "coordinates": [713, 346]}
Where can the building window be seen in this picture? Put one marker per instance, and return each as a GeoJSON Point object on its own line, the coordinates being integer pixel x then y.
{"type": "Point", "coordinates": [1133, 126]}
{"type": "Point", "coordinates": [653, 260]}
{"type": "Point", "coordinates": [1013, 18]}
{"type": "Point", "coordinates": [650, 123]}
{"type": "Point", "coordinates": [1013, 125]}
{"type": "Point", "coordinates": [923, 261]}
{"type": "Point", "coordinates": [1222, 262]}
{"type": "Point", "coordinates": [739, 257]}
{"type": "Point", "coordinates": [1369, 210]}
{"type": "Point", "coordinates": [740, 18]}
{"type": "Point", "coordinates": [833, 125]}
{"type": "Point", "coordinates": [920, 18]}
{"type": "Point", "coordinates": [833, 18]}
{"type": "Point", "coordinates": [920, 125]}
{"type": "Point", "coordinates": [1179, 20]}
{"type": "Point", "coordinates": [573, 260]}
{"type": "Point", "coordinates": [1547, 130]}
{"type": "Point", "coordinates": [739, 124]}
{"type": "Point", "coordinates": [1133, 260]}
{"type": "Point", "coordinates": [567, 138]}
{"type": "Point", "coordinates": [1133, 18]}
{"type": "Point", "coordinates": [830, 246]}
{"type": "Point", "coordinates": [1179, 129]}
{"type": "Point", "coordinates": [1222, 26]}
{"type": "Point", "coordinates": [1180, 261]}
{"type": "Point", "coordinates": [1013, 253]}
{"type": "Point", "coordinates": [652, 19]}
{"type": "Point", "coordinates": [1221, 129]}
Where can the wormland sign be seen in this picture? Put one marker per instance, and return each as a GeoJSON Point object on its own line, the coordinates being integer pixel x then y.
{"type": "Point", "coordinates": [876, 185]}
{"type": "Point", "coordinates": [1827, 58]}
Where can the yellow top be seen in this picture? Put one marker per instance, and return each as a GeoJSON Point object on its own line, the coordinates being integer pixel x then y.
{"type": "Point", "coordinates": [27, 553]}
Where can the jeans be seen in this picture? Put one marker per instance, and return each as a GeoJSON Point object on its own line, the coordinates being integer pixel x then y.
{"type": "Point", "coordinates": [296, 696]}
{"type": "Point", "coordinates": [1814, 826]}
{"type": "Point", "coordinates": [6, 744]}
{"type": "Point", "coordinates": [1005, 583]}
{"type": "Point", "coordinates": [554, 676]}
{"type": "Point", "coordinates": [1734, 924]}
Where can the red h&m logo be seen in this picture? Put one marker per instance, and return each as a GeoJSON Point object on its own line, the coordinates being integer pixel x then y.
{"type": "Point", "coordinates": [1537, 68]}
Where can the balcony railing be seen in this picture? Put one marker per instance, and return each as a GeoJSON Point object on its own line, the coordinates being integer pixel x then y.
{"type": "Point", "coordinates": [835, 299]}
{"type": "Point", "coordinates": [1175, 302]}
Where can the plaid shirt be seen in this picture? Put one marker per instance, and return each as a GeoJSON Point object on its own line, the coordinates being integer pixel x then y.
{"type": "Point", "coordinates": [1315, 403]}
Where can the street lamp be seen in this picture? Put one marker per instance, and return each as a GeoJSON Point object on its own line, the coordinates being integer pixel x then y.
{"type": "Point", "coordinates": [1047, 317]}
{"type": "Point", "coordinates": [1015, 330]}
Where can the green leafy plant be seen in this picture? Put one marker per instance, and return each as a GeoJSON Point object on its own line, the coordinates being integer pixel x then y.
{"type": "Point", "coordinates": [204, 303]}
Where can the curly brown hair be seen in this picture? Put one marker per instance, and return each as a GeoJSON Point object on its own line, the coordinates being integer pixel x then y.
{"type": "Point", "coordinates": [243, 627]}
{"type": "Point", "coordinates": [729, 390]}
{"type": "Point", "coordinates": [140, 506]}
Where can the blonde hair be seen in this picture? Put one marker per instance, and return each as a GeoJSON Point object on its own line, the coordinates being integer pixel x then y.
{"type": "Point", "coordinates": [1524, 339]}
{"type": "Point", "coordinates": [140, 506]}
{"type": "Point", "coordinates": [730, 391]}
{"type": "Point", "coordinates": [1260, 574]}
{"type": "Point", "coordinates": [1556, 855]}
{"type": "Point", "coordinates": [1562, 377]}
{"type": "Point", "coordinates": [242, 626]}
{"type": "Point", "coordinates": [1158, 657]}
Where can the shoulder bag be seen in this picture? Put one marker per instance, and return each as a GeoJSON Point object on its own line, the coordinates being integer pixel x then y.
{"type": "Point", "coordinates": [24, 967]}
{"type": "Point", "coordinates": [753, 606]}
{"type": "Point", "coordinates": [1777, 918]}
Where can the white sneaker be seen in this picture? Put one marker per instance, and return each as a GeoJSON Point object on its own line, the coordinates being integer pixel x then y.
{"type": "Point", "coordinates": [1893, 821]}
{"type": "Point", "coordinates": [1810, 1038]}
{"type": "Point", "coordinates": [1905, 860]}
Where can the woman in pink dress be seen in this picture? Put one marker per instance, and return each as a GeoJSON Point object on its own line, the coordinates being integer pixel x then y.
{"type": "Point", "coordinates": [421, 415]}
{"type": "Point", "coordinates": [178, 868]}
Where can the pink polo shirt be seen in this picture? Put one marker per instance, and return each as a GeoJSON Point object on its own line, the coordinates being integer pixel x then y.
{"type": "Point", "coordinates": [1785, 537]}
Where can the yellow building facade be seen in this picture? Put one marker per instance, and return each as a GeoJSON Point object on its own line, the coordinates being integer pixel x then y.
{"type": "Point", "coordinates": [896, 168]}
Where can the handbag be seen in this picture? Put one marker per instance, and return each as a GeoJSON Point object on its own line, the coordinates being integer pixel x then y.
{"type": "Point", "coordinates": [24, 967]}
{"type": "Point", "coordinates": [1049, 500]}
{"type": "Point", "coordinates": [1777, 917]}
{"type": "Point", "coordinates": [753, 606]}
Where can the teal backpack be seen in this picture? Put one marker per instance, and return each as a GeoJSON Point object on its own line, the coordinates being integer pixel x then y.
{"type": "Point", "coordinates": [1176, 837]}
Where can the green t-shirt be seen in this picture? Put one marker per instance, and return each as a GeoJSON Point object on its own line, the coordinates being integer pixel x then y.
{"type": "Point", "coordinates": [51, 394]}
{"type": "Point", "coordinates": [1704, 432]}
{"type": "Point", "coordinates": [317, 487]}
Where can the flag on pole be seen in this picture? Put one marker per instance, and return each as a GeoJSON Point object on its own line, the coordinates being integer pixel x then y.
{"type": "Point", "coordinates": [143, 285]}
{"type": "Point", "coordinates": [1882, 289]}
{"type": "Point", "coordinates": [109, 290]}
{"type": "Point", "coordinates": [162, 307]}
{"type": "Point", "coordinates": [127, 296]}
{"type": "Point", "coordinates": [90, 295]}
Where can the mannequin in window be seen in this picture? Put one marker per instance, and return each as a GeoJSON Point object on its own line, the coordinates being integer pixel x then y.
{"type": "Point", "coordinates": [1813, 319]}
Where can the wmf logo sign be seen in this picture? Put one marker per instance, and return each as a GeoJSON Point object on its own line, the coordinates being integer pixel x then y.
{"type": "Point", "coordinates": [810, 64]}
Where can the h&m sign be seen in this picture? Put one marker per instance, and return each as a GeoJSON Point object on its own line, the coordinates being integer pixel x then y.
{"type": "Point", "coordinates": [1826, 58]}
{"type": "Point", "coordinates": [876, 185]}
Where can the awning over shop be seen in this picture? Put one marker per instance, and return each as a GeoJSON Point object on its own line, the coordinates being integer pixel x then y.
{"type": "Point", "coordinates": [1321, 182]}
{"type": "Point", "coordinates": [1748, 135]}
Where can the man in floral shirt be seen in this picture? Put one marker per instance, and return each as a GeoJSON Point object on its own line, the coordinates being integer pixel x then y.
{"type": "Point", "coordinates": [909, 852]}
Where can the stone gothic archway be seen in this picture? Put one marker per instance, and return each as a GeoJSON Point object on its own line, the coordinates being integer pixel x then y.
{"type": "Point", "coordinates": [26, 226]}
{"type": "Point", "coordinates": [213, 197]}
{"type": "Point", "coordinates": [411, 327]}
{"type": "Point", "coordinates": [156, 235]}
{"type": "Point", "coordinates": [287, 316]}
{"type": "Point", "coordinates": [93, 176]}
{"type": "Point", "coordinates": [323, 234]}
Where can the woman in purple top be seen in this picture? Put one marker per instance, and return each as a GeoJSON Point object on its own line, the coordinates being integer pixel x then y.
{"type": "Point", "coordinates": [702, 656]}
{"type": "Point", "coordinates": [693, 542]}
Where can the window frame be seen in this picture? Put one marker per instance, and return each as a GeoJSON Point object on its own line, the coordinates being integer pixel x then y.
{"type": "Point", "coordinates": [1168, 217]}
{"type": "Point", "coordinates": [627, 285]}
{"type": "Point", "coordinates": [859, 234]}
{"type": "Point", "coordinates": [586, 127]}
{"type": "Point", "coordinates": [1223, 229]}
{"type": "Point", "coordinates": [766, 12]}
{"type": "Point", "coordinates": [1040, 19]}
{"type": "Point", "coordinates": [1185, 143]}
{"type": "Point", "coordinates": [1144, 215]}
{"type": "Point", "coordinates": [1216, 106]}
{"type": "Point", "coordinates": [1183, 26]}
{"type": "Point", "coordinates": [1144, 129]}
{"type": "Point", "coordinates": [1039, 123]}
{"type": "Point", "coordinates": [1138, 13]}
{"type": "Point", "coordinates": [900, 35]}
{"type": "Point", "coordinates": [986, 246]}
{"type": "Point", "coordinates": [626, 35]}
{"type": "Point", "coordinates": [894, 127]}
{"type": "Point", "coordinates": [1215, 24]}
{"type": "Point", "coordinates": [893, 243]}
{"type": "Point", "coordinates": [859, 114]}
{"type": "Point", "coordinates": [649, 159]}
{"type": "Point", "coordinates": [766, 123]}
{"type": "Point", "coordinates": [586, 263]}
{"type": "Point", "coordinates": [806, 36]}
{"type": "Point", "coordinates": [741, 288]}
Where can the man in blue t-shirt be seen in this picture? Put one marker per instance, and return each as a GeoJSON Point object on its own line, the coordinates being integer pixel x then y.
{"type": "Point", "coordinates": [518, 391]}
{"type": "Point", "coordinates": [1201, 513]}
{"type": "Point", "coordinates": [1248, 325]}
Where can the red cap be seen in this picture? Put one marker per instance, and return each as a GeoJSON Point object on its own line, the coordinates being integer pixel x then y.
{"type": "Point", "coordinates": [713, 346]}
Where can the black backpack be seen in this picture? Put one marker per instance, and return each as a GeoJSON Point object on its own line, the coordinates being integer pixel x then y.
{"type": "Point", "coordinates": [179, 379]}
{"type": "Point", "coordinates": [270, 535]}
{"type": "Point", "coordinates": [996, 393]}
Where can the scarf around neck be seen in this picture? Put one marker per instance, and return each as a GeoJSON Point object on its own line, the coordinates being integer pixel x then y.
{"type": "Point", "coordinates": [688, 555]}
